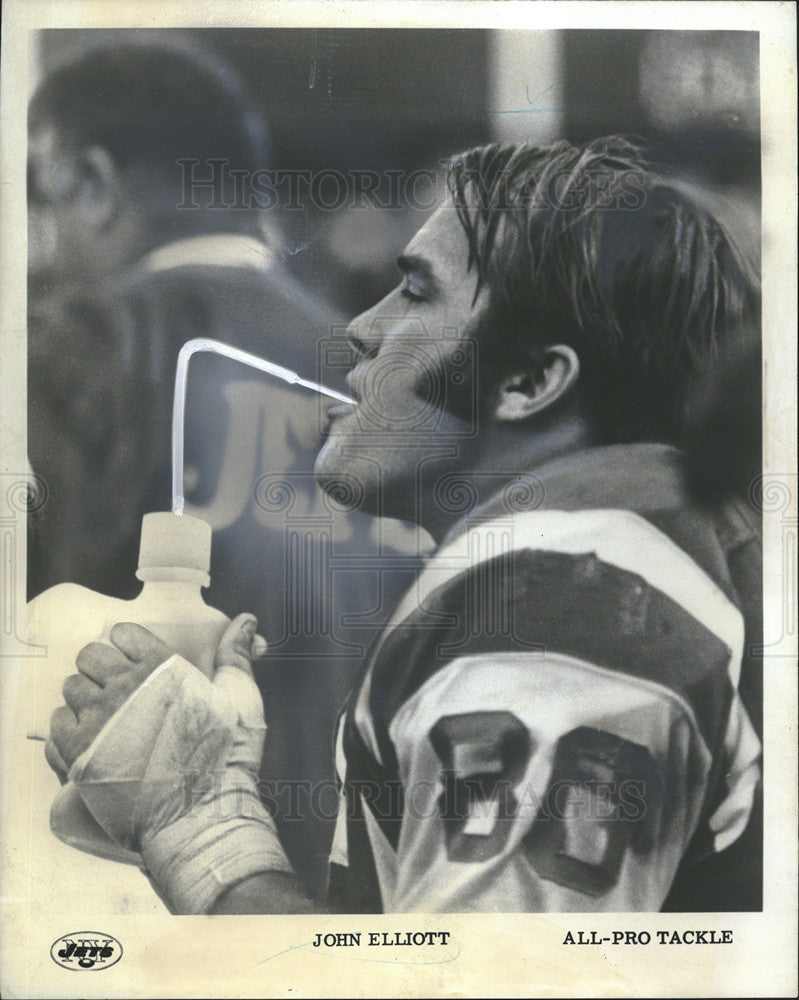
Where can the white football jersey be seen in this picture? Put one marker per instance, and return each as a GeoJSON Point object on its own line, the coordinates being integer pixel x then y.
{"type": "Point", "coordinates": [551, 720]}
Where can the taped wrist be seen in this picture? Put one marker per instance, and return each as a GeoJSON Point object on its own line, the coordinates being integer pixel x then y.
{"type": "Point", "coordinates": [218, 843]}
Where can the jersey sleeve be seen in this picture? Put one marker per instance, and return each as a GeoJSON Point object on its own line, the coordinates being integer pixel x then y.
{"type": "Point", "coordinates": [541, 782]}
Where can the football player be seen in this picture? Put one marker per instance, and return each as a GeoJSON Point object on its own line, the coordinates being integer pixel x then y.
{"type": "Point", "coordinates": [562, 713]}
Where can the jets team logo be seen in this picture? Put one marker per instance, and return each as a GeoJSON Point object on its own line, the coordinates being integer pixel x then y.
{"type": "Point", "coordinates": [86, 951]}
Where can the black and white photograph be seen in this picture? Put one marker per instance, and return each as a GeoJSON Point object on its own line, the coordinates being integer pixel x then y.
{"type": "Point", "coordinates": [399, 521]}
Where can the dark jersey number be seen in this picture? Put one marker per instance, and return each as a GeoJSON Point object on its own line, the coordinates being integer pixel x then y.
{"type": "Point", "coordinates": [483, 755]}
{"type": "Point", "coordinates": [604, 796]}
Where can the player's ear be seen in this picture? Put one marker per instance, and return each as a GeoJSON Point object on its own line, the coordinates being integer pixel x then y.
{"type": "Point", "coordinates": [99, 186]}
{"type": "Point", "coordinates": [530, 391]}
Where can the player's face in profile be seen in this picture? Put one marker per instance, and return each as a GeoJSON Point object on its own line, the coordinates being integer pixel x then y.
{"type": "Point", "coordinates": [414, 379]}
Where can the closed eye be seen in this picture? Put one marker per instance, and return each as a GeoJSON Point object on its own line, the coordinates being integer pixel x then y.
{"type": "Point", "coordinates": [413, 289]}
{"type": "Point", "coordinates": [418, 282]}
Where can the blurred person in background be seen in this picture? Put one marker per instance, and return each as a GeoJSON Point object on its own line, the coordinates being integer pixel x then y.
{"type": "Point", "coordinates": [127, 263]}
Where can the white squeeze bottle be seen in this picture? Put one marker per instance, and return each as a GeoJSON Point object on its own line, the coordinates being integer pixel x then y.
{"type": "Point", "coordinates": [174, 563]}
{"type": "Point", "coordinates": [174, 560]}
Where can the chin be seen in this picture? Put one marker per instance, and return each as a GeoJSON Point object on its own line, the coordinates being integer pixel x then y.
{"type": "Point", "coordinates": [340, 479]}
{"type": "Point", "coordinates": [327, 463]}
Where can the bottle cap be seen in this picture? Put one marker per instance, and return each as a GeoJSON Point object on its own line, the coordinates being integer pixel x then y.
{"type": "Point", "coordinates": [174, 542]}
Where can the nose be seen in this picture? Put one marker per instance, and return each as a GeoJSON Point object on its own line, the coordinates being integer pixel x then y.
{"type": "Point", "coordinates": [361, 336]}
{"type": "Point", "coordinates": [41, 241]}
{"type": "Point", "coordinates": [361, 350]}
{"type": "Point", "coordinates": [364, 348]}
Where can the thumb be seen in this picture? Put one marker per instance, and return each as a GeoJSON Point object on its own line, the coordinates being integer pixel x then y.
{"type": "Point", "coordinates": [239, 644]}
{"type": "Point", "coordinates": [233, 669]}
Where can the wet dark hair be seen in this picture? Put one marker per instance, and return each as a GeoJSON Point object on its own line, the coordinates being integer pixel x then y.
{"type": "Point", "coordinates": [593, 247]}
{"type": "Point", "coordinates": [152, 104]}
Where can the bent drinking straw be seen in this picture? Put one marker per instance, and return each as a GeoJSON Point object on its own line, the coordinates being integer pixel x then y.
{"type": "Point", "coordinates": [192, 347]}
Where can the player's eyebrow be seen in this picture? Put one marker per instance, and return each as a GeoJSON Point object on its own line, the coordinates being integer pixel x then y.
{"type": "Point", "coordinates": [410, 263]}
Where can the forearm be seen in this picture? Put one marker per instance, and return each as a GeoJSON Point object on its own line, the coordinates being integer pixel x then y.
{"type": "Point", "coordinates": [266, 892]}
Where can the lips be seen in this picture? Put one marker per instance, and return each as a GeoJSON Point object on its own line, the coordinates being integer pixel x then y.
{"type": "Point", "coordinates": [341, 410]}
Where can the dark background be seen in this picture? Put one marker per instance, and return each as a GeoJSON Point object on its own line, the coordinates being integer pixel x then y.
{"type": "Point", "coordinates": [400, 99]}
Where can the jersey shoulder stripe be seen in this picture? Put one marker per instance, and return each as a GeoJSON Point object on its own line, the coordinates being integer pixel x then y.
{"type": "Point", "coordinates": [572, 603]}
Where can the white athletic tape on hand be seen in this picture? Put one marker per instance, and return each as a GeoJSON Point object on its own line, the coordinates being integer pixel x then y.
{"type": "Point", "coordinates": [174, 774]}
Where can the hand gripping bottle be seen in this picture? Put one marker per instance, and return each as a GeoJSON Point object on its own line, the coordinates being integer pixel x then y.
{"type": "Point", "coordinates": [174, 560]}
